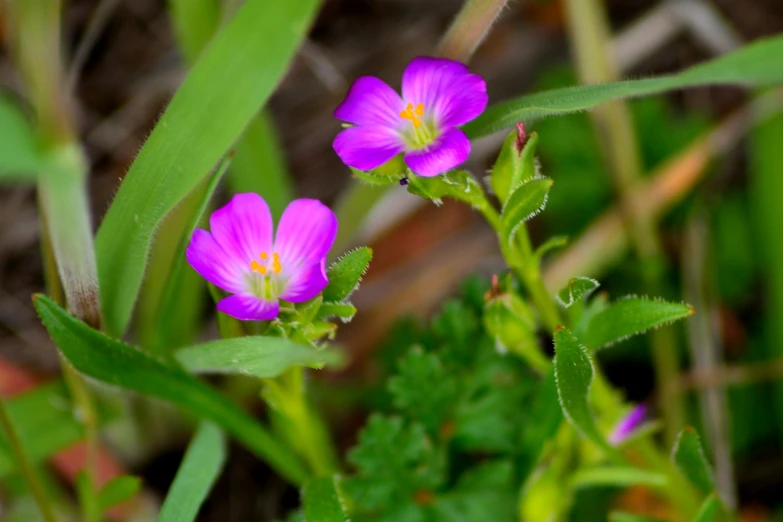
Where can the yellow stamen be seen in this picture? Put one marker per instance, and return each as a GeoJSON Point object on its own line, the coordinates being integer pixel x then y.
{"type": "Point", "coordinates": [413, 114]}
{"type": "Point", "coordinates": [256, 266]}
{"type": "Point", "coordinates": [264, 255]}
{"type": "Point", "coordinates": [276, 266]}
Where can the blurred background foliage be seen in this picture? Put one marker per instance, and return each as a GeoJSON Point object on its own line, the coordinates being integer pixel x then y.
{"type": "Point", "coordinates": [729, 219]}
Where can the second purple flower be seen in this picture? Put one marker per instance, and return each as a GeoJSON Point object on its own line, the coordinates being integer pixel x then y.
{"type": "Point", "coordinates": [438, 95]}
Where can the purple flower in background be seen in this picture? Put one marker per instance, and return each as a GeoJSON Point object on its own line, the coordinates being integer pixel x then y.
{"type": "Point", "coordinates": [437, 96]}
{"type": "Point", "coordinates": [241, 257]}
{"type": "Point", "coordinates": [628, 424]}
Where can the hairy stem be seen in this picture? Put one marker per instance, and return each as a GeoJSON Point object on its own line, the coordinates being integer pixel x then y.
{"type": "Point", "coordinates": [469, 28]}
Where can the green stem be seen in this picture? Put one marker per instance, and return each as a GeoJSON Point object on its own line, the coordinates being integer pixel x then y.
{"type": "Point", "coordinates": [525, 264]}
{"type": "Point", "coordinates": [25, 466]}
{"type": "Point", "coordinates": [304, 428]}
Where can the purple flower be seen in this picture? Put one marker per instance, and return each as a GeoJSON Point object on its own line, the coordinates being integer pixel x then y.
{"type": "Point", "coordinates": [437, 96]}
{"type": "Point", "coordinates": [241, 257]}
{"type": "Point", "coordinates": [628, 424]}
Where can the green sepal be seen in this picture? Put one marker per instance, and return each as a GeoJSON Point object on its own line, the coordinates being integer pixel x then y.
{"type": "Point", "coordinates": [344, 275]}
{"type": "Point", "coordinates": [512, 324]}
{"type": "Point", "coordinates": [525, 201]}
{"type": "Point", "coordinates": [345, 311]}
{"type": "Point", "coordinates": [455, 184]}
{"type": "Point", "coordinates": [513, 166]}
{"type": "Point", "coordinates": [577, 289]}
{"type": "Point", "coordinates": [372, 178]}
{"type": "Point", "coordinates": [688, 456]}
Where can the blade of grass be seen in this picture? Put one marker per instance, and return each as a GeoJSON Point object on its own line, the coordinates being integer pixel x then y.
{"type": "Point", "coordinates": [111, 361]}
{"type": "Point", "coordinates": [232, 79]}
{"type": "Point", "coordinates": [753, 65]}
{"type": "Point", "coordinates": [198, 472]}
{"type": "Point", "coordinates": [765, 189]}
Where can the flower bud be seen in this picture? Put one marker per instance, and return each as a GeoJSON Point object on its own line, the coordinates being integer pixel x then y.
{"type": "Point", "coordinates": [628, 425]}
{"type": "Point", "coordinates": [515, 163]}
{"type": "Point", "coordinates": [510, 321]}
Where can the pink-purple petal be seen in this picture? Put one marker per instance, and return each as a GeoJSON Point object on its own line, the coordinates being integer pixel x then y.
{"type": "Point", "coordinates": [209, 259]}
{"type": "Point", "coordinates": [243, 227]}
{"type": "Point", "coordinates": [305, 234]}
{"type": "Point", "coordinates": [370, 102]}
{"type": "Point", "coordinates": [306, 283]}
{"type": "Point", "coordinates": [628, 424]}
{"type": "Point", "coordinates": [446, 88]}
{"type": "Point", "coordinates": [247, 307]}
{"type": "Point", "coordinates": [450, 150]}
{"type": "Point", "coordinates": [366, 148]}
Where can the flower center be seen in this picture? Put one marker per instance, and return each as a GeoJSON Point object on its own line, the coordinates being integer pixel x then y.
{"type": "Point", "coordinates": [262, 268]}
{"type": "Point", "coordinates": [267, 286]}
{"type": "Point", "coordinates": [422, 132]}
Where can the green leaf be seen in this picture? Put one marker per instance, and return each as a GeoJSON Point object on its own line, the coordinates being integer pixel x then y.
{"type": "Point", "coordinates": [455, 184]}
{"type": "Point", "coordinates": [630, 316]}
{"type": "Point", "coordinates": [547, 416]}
{"type": "Point", "coordinates": [195, 22]}
{"type": "Point", "coordinates": [616, 477]}
{"type": "Point", "coordinates": [344, 311]}
{"type": "Point", "coordinates": [323, 502]}
{"type": "Point", "coordinates": [689, 457]}
{"type": "Point", "coordinates": [574, 374]}
{"type": "Point", "coordinates": [393, 462]}
{"type": "Point", "coordinates": [424, 389]}
{"type": "Point", "coordinates": [578, 288]}
{"type": "Point", "coordinates": [259, 165]}
{"type": "Point", "coordinates": [710, 510]}
{"type": "Point", "coordinates": [525, 201]}
{"type": "Point", "coordinates": [619, 516]}
{"type": "Point", "coordinates": [231, 81]}
{"type": "Point", "coordinates": [117, 491]}
{"type": "Point", "coordinates": [344, 275]}
{"type": "Point", "coordinates": [550, 244]}
{"type": "Point", "coordinates": [44, 420]}
{"type": "Point", "coordinates": [116, 363]}
{"type": "Point", "coordinates": [484, 492]}
{"type": "Point", "coordinates": [371, 178]}
{"type": "Point", "coordinates": [258, 356]}
{"type": "Point", "coordinates": [753, 64]}
{"type": "Point", "coordinates": [19, 159]}
{"type": "Point", "coordinates": [196, 475]}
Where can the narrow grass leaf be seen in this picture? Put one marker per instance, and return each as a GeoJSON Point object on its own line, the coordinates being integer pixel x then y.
{"type": "Point", "coordinates": [631, 316]}
{"type": "Point", "coordinates": [323, 502]}
{"type": "Point", "coordinates": [257, 356]}
{"type": "Point", "coordinates": [620, 477]}
{"type": "Point", "coordinates": [259, 165]}
{"type": "Point", "coordinates": [231, 81]}
{"type": "Point", "coordinates": [113, 362]}
{"type": "Point", "coordinates": [19, 160]}
{"type": "Point", "coordinates": [688, 456]}
{"type": "Point", "coordinates": [754, 64]}
{"type": "Point", "coordinates": [344, 275]}
{"type": "Point", "coordinates": [200, 468]}
{"type": "Point", "coordinates": [574, 374]}
{"type": "Point", "coordinates": [621, 516]}
{"type": "Point", "coordinates": [710, 510]}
